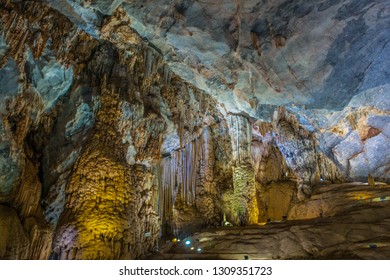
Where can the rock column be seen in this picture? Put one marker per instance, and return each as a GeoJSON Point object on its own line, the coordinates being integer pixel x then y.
{"type": "Point", "coordinates": [242, 205]}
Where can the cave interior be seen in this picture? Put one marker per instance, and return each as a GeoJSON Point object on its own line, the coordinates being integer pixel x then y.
{"type": "Point", "coordinates": [186, 129]}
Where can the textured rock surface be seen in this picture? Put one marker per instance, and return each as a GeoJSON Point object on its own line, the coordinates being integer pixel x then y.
{"type": "Point", "coordinates": [351, 223]}
{"type": "Point", "coordinates": [106, 205]}
{"type": "Point", "coordinates": [124, 120]}
{"type": "Point", "coordinates": [318, 53]}
{"type": "Point", "coordinates": [255, 54]}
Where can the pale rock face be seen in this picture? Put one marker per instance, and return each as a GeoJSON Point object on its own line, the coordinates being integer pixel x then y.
{"type": "Point", "coordinates": [274, 52]}
{"type": "Point", "coordinates": [380, 122]}
{"type": "Point", "coordinates": [349, 147]}
{"type": "Point", "coordinates": [374, 160]}
{"type": "Point", "coordinates": [277, 51]}
{"type": "Point", "coordinates": [50, 79]}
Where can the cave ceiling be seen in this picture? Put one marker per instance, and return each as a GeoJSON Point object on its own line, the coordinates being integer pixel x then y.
{"type": "Point", "coordinates": [320, 55]}
{"type": "Point", "coordinates": [122, 121]}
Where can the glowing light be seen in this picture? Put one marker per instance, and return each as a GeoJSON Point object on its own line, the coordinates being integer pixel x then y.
{"type": "Point", "coordinates": [192, 248]}
{"type": "Point", "coordinates": [362, 196]}
{"type": "Point", "coordinates": [188, 242]}
{"type": "Point", "coordinates": [199, 250]}
{"type": "Point", "coordinates": [380, 199]}
{"type": "Point", "coordinates": [174, 240]}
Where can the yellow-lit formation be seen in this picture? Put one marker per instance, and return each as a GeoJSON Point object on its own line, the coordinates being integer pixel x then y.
{"type": "Point", "coordinates": [104, 218]}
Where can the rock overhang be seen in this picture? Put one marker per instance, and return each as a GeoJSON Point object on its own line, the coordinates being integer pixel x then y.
{"type": "Point", "coordinates": [310, 55]}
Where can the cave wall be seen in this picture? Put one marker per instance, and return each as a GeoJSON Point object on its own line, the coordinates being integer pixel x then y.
{"type": "Point", "coordinates": [104, 148]}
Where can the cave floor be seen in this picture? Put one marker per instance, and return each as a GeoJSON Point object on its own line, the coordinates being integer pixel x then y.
{"type": "Point", "coordinates": [353, 222]}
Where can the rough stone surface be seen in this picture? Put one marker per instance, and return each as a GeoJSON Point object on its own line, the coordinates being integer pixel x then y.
{"type": "Point", "coordinates": [13, 242]}
{"type": "Point", "coordinates": [349, 147]}
{"type": "Point", "coordinates": [374, 160]}
{"type": "Point", "coordinates": [273, 50]}
{"type": "Point", "coordinates": [380, 122]}
{"type": "Point", "coordinates": [124, 120]}
{"type": "Point", "coordinates": [347, 224]}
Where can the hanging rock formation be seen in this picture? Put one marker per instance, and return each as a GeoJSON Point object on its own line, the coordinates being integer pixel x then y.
{"type": "Point", "coordinates": [125, 121]}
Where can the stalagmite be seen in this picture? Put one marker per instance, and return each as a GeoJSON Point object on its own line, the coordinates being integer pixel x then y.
{"type": "Point", "coordinates": [123, 124]}
{"type": "Point", "coordinates": [242, 202]}
{"type": "Point", "coordinates": [102, 196]}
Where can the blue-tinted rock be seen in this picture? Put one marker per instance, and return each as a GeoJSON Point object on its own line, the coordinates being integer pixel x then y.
{"type": "Point", "coordinates": [329, 140]}
{"type": "Point", "coordinates": [380, 122]}
{"type": "Point", "coordinates": [349, 147]}
{"type": "Point", "coordinates": [50, 78]}
{"type": "Point", "coordinates": [83, 120]}
{"type": "Point", "coordinates": [9, 82]}
{"type": "Point", "coordinates": [3, 47]}
{"type": "Point", "coordinates": [375, 159]}
{"type": "Point", "coordinates": [80, 14]}
{"type": "Point", "coordinates": [106, 7]}
{"type": "Point", "coordinates": [377, 97]}
{"type": "Point", "coordinates": [9, 170]}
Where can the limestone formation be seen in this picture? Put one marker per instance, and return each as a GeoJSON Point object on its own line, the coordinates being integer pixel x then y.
{"type": "Point", "coordinates": [127, 123]}
{"type": "Point", "coordinates": [350, 223]}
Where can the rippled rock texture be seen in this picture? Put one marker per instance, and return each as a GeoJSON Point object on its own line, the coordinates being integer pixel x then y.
{"type": "Point", "coordinates": [124, 121]}
{"type": "Point", "coordinates": [347, 221]}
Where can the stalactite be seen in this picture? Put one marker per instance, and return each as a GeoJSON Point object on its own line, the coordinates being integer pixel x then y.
{"type": "Point", "coordinates": [40, 236]}
{"type": "Point", "coordinates": [167, 74]}
{"type": "Point", "coordinates": [178, 180]}
{"type": "Point", "coordinates": [185, 182]}
{"type": "Point", "coordinates": [241, 203]}
{"type": "Point", "coordinates": [166, 181]}
{"type": "Point", "coordinates": [241, 138]}
{"type": "Point", "coordinates": [13, 241]}
{"type": "Point", "coordinates": [149, 59]}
